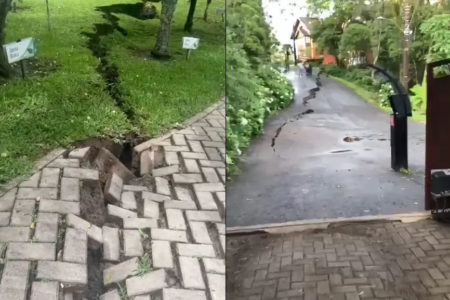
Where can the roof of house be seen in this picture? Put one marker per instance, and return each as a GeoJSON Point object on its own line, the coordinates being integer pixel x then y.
{"type": "Point", "coordinates": [306, 22]}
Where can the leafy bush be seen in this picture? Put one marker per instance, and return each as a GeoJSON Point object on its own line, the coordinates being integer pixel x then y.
{"type": "Point", "coordinates": [383, 94]}
{"type": "Point", "coordinates": [255, 89]}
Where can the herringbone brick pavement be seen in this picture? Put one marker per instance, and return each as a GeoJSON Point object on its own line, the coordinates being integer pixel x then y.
{"type": "Point", "coordinates": [382, 260]}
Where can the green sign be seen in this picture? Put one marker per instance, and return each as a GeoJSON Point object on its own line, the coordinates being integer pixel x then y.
{"type": "Point", "coordinates": [19, 50]}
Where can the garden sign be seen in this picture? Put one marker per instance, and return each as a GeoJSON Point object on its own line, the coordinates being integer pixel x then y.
{"type": "Point", "coordinates": [190, 43]}
{"type": "Point", "coordinates": [20, 50]}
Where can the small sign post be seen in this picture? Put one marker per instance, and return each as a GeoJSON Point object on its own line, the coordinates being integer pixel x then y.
{"type": "Point", "coordinates": [190, 43]}
{"type": "Point", "coordinates": [20, 50]}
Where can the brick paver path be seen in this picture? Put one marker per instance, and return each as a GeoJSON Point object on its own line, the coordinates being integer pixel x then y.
{"type": "Point", "coordinates": [160, 238]}
{"type": "Point", "coordinates": [347, 261]}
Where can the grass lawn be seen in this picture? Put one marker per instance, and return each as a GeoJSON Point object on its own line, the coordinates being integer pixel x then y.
{"type": "Point", "coordinates": [371, 98]}
{"type": "Point", "coordinates": [71, 102]}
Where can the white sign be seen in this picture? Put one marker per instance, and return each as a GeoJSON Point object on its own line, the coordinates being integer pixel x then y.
{"type": "Point", "coordinates": [22, 49]}
{"type": "Point", "coordinates": [190, 43]}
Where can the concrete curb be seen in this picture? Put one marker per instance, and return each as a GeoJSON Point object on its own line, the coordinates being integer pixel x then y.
{"type": "Point", "coordinates": [298, 226]}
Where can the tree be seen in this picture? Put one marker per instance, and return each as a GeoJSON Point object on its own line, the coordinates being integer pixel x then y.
{"type": "Point", "coordinates": [190, 17]}
{"type": "Point", "coordinates": [161, 49]}
{"type": "Point", "coordinates": [355, 41]}
{"type": "Point", "coordinates": [437, 30]}
{"type": "Point", "coordinates": [5, 69]}
{"type": "Point", "coordinates": [205, 14]}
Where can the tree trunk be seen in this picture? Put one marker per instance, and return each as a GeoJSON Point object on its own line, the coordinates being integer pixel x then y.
{"type": "Point", "coordinates": [205, 14]}
{"type": "Point", "coordinates": [190, 17]}
{"type": "Point", "coordinates": [161, 48]}
{"type": "Point", "coordinates": [5, 69]}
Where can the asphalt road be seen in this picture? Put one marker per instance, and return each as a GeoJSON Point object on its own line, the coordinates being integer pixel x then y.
{"type": "Point", "coordinates": [311, 172]}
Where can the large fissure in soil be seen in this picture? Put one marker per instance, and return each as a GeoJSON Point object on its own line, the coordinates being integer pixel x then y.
{"type": "Point", "coordinates": [107, 69]}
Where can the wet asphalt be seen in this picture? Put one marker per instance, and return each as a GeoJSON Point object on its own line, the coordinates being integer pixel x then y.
{"type": "Point", "coordinates": [310, 172]}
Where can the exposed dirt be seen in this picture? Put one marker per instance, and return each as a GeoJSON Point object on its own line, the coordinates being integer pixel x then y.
{"type": "Point", "coordinates": [93, 208]}
{"type": "Point", "coordinates": [349, 139]}
{"type": "Point", "coordinates": [95, 275]}
{"type": "Point", "coordinates": [33, 67]}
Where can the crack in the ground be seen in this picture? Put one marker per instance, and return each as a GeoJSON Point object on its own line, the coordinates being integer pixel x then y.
{"type": "Point", "coordinates": [277, 133]}
{"type": "Point", "coordinates": [109, 71]}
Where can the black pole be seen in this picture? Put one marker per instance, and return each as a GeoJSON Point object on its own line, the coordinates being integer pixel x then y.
{"type": "Point", "coordinates": [22, 68]}
{"type": "Point", "coordinates": [48, 16]}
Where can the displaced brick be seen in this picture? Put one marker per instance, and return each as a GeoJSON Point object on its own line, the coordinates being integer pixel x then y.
{"type": "Point", "coordinates": [31, 251]}
{"type": "Point", "coordinates": [147, 283]}
{"type": "Point", "coordinates": [93, 231]}
{"type": "Point", "coordinates": [168, 235]}
{"type": "Point", "coordinates": [14, 280]}
{"type": "Point", "coordinates": [86, 174]}
{"type": "Point", "coordinates": [113, 188]}
{"type": "Point", "coordinates": [49, 177]}
{"type": "Point", "coordinates": [175, 219]}
{"type": "Point", "coordinates": [132, 243]}
{"type": "Point", "coordinates": [162, 186]}
{"type": "Point", "coordinates": [171, 158]}
{"type": "Point", "coordinates": [33, 193]}
{"type": "Point", "coordinates": [70, 274]}
{"type": "Point", "coordinates": [164, 171]}
{"type": "Point", "coordinates": [161, 254]}
{"type": "Point", "coordinates": [120, 271]}
{"type": "Point", "coordinates": [120, 212]}
{"type": "Point", "coordinates": [111, 295]}
{"type": "Point", "coordinates": [61, 207]}
{"type": "Point", "coordinates": [80, 153]}
{"type": "Point", "coordinates": [128, 200]}
{"type": "Point", "coordinates": [136, 223]}
{"type": "Point", "coordinates": [111, 244]}
{"type": "Point", "coordinates": [75, 246]}
{"type": "Point", "coordinates": [134, 188]}
{"type": "Point", "coordinates": [45, 290]}
{"type": "Point", "coordinates": [191, 273]}
{"type": "Point", "coordinates": [196, 250]}
{"type": "Point", "coordinates": [70, 189]}
{"type": "Point", "coordinates": [154, 197]}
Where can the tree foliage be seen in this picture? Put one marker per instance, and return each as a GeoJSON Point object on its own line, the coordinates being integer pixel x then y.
{"type": "Point", "coordinates": [355, 41]}
{"type": "Point", "coordinates": [437, 32]}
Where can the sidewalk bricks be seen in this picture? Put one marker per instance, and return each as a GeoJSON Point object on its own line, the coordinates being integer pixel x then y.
{"type": "Point", "coordinates": [119, 212]}
{"type": "Point", "coordinates": [14, 234]}
{"type": "Point", "coordinates": [80, 153]}
{"type": "Point", "coordinates": [23, 212]}
{"type": "Point", "coordinates": [214, 265]}
{"type": "Point", "coordinates": [196, 250]}
{"type": "Point", "coordinates": [75, 246]}
{"type": "Point", "coordinates": [7, 200]}
{"type": "Point", "coordinates": [136, 223]}
{"type": "Point", "coordinates": [162, 186]}
{"type": "Point", "coordinates": [33, 193]}
{"type": "Point", "coordinates": [191, 273]}
{"type": "Point", "coordinates": [70, 274]}
{"type": "Point", "coordinates": [191, 166]}
{"type": "Point", "coordinates": [209, 187]}
{"type": "Point", "coordinates": [86, 174]}
{"type": "Point", "coordinates": [180, 204]}
{"type": "Point", "coordinates": [168, 235]}
{"type": "Point", "coordinates": [128, 200]}
{"type": "Point", "coordinates": [4, 218]}
{"type": "Point", "coordinates": [175, 219]}
{"type": "Point", "coordinates": [33, 181]}
{"type": "Point", "coordinates": [65, 163]}
{"type": "Point", "coordinates": [199, 215]}
{"type": "Point", "coordinates": [70, 189]}
{"type": "Point", "coordinates": [111, 295]}
{"type": "Point", "coordinates": [61, 207]}
{"type": "Point", "coordinates": [14, 280]}
{"type": "Point", "coordinates": [162, 254]}
{"type": "Point", "coordinates": [187, 178]}
{"type": "Point", "coordinates": [45, 290]}
{"type": "Point", "coordinates": [151, 209]}
{"type": "Point", "coordinates": [92, 231]}
{"type": "Point", "coordinates": [49, 177]}
{"type": "Point", "coordinates": [120, 271]}
{"type": "Point", "coordinates": [206, 200]}
{"type": "Point", "coordinates": [216, 285]}
{"type": "Point", "coordinates": [111, 244]}
{"type": "Point", "coordinates": [164, 171]}
{"type": "Point", "coordinates": [113, 188]}
{"type": "Point", "coordinates": [181, 294]}
{"type": "Point", "coordinates": [200, 233]}
{"type": "Point", "coordinates": [31, 251]}
{"type": "Point", "coordinates": [132, 243]}
{"type": "Point", "coordinates": [146, 283]}
{"type": "Point", "coordinates": [154, 197]}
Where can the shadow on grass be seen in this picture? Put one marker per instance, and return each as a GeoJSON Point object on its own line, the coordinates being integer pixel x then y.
{"type": "Point", "coordinates": [132, 10]}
